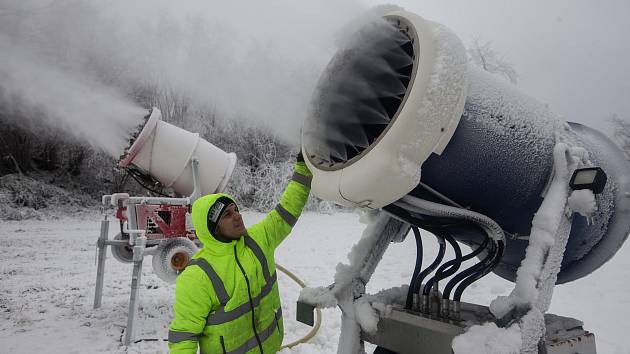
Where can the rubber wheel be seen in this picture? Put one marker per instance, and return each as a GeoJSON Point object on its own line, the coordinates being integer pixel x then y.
{"type": "Point", "coordinates": [122, 253]}
{"type": "Point", "coordinates": [172, 256]}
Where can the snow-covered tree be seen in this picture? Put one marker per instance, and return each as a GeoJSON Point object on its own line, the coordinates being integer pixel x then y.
{"type": "Point", "coordinates": [483, 55]}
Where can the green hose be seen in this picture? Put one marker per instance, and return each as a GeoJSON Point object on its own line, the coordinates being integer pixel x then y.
{"type": "Point", "coordinates": [318, 320]}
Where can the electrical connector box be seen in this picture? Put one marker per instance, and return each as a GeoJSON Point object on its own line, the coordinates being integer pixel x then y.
{"type": "Point", "coordinates": [305, 314]}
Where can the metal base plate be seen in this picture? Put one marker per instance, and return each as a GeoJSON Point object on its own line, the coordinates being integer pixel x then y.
{"type": "Point", "coordinates": [407, 332]}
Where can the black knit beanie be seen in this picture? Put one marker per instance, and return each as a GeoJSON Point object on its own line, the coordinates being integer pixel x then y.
{"type": "Point", "coordinates": [216, 210]}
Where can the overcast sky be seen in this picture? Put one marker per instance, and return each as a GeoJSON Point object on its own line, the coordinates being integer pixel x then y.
{"type": "Point", "coordinates": [572, 54]}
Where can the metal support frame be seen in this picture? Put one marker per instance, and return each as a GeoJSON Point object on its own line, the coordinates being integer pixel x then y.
{"type": "Point", "coordinates": [407, 332]}
{"type": "Point", "coordinates": [100, 271]}
{"type": "Point", "coordinates": [138, 257]}
{"type": "Point", "coordinates": [137, 240]}
{"type": "Point", "coordinates": [139, 244]}
{"type": "Point", "coordinates": [390, 229]}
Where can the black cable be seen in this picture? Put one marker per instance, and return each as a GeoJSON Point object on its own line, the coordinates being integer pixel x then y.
{"type": "Point", "coordinates": [478, 250]}
{"type": "Point", "coordinates": [468, 256]}
{"type": "Point", "coordinates": [495, 261]}
{"type": "Point", "coordinates": [475, 272]}
{"type": "Point", "coordinates": [406, 216]}
{"type": "Point", "coordinates": [479, 269]}
{"type": "Point", "coordinates": [432, 266]}
{"type": "Point", "coordinates": [416, 270]}
{"type": "Point", "coordinates": [470, 270]}
{"type": "Point", "coordinates": [471, 274]}
{"type": "Point", "coordinates": [441, 273]}
{"type": "Point", "coordinates": [454, 264]}
{"type": "Point", "coordinates": [151, 340]}
{"type": "Point", "coordinates": [136, 175]}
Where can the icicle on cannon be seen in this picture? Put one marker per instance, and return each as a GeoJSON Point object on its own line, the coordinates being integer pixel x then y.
{"type": "Point", "coordinates": [400, 123]}
{"type": "Point", "coordinates": [170, 161]}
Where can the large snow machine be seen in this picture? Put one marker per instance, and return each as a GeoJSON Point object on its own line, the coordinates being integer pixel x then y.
{"type": "Point", "coordinates": [180, 166]}
{"type": "Point", "coordinates": [402, 124]}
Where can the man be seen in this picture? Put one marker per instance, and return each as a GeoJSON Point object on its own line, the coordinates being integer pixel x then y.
{"type": "Point", "coordinates": [227, 299]}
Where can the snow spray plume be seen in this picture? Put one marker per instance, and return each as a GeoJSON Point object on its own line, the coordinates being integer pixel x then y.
{"type": "Point", "coordinates": [87, 110]}
{"type": "Point", "coordinates": [258, 61]}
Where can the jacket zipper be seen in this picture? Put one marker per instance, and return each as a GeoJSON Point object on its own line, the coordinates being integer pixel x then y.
{"type": "Point", "coordinates": [222, 344]}
{"type": "Point", "coordinates": [251, 302]}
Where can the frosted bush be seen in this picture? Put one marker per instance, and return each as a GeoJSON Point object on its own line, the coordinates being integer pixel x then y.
{"type": "Point", "coordinates": [260, 189]}
{"type": "Point", "coordinates": [23, 197]}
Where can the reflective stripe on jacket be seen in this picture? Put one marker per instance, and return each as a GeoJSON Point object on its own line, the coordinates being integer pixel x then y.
{"type": "Point", "coordinates": [214, 296]}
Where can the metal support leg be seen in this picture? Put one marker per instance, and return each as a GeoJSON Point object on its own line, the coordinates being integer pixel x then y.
{"type": "Point", "coordinates": [350, 341]}
{"type": "Point", "coordinates": [138, 257]}
{"type": "Point", "coordinates": [379, 233]}
{"type": "Point", "coordinates": [100, 270]}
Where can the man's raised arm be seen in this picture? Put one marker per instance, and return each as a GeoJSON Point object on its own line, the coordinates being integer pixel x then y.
{"type": "Point", "coordinates": [279, 222]}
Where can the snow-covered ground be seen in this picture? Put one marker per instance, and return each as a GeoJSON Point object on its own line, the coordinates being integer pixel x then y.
{"type": "Point", "coordinates": [48, 271]}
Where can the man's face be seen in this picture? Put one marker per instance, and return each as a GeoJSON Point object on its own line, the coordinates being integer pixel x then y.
{"type": "Point", "coordinates": [231, 224]}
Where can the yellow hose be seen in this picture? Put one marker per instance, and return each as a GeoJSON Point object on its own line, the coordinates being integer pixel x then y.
{"type": "Point", "coordinates": [318, 320]}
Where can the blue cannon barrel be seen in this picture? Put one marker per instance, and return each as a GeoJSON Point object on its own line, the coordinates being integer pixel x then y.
{"type": "Point", "coordinates": [499, 162]}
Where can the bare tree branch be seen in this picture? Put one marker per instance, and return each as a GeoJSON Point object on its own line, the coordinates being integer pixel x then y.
{"type": "Point", "coordinates": [483, 55]}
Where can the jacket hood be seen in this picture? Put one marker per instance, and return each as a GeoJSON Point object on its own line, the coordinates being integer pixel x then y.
{"type": "Point", "coordinates": [200, 210]}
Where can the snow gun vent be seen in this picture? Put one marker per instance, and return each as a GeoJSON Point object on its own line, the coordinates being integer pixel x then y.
{"type": "Point", "coordinates": [386, 101]}
{"type": "Point", "coordinates": [361, 93]}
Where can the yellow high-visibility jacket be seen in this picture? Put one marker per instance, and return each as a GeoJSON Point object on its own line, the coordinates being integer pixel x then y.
{"type": "Point", "coordinates": [216, 293]}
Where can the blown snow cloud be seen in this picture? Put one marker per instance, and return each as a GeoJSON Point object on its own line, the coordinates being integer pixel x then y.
{"type": "Point", "coordinates": [77, 61]}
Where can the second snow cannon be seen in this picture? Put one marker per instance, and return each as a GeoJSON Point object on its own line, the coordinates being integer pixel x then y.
{"type": "Point", "coordinates": [163, 152]}
{"type": "Point", "coordinates": [399, 113]}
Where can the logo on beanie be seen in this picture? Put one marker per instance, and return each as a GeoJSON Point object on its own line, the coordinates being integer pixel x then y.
{"type": "Point", "coordinates": [215, 211]}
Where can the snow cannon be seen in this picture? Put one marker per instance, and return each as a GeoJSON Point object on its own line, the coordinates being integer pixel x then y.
{"type": "Point", "coordinates": [400, 118]}
{"type": "Point", "coordinates": [161, 154]}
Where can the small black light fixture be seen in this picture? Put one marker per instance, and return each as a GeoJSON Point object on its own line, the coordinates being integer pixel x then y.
{"type": "Point", "coordinates": [593, 178]}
